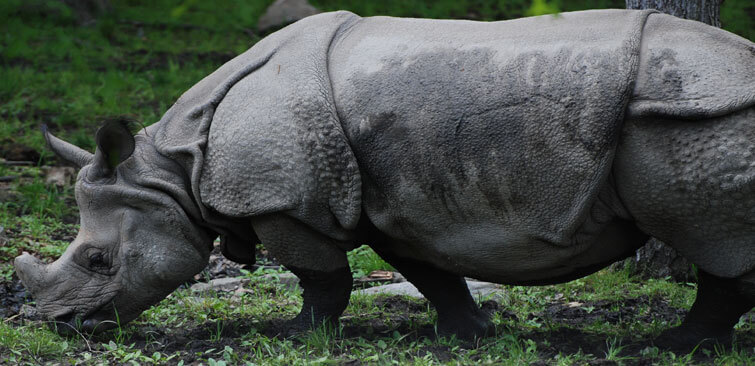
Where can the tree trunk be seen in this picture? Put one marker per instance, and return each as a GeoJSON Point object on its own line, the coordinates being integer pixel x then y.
{"type": "Point", "coordinates": [658, 260]}
{"type": "Point", "coordinates": [706, 11]}
{"type": "Point", "coordinates": [87, 10]}
{"type": "Point", "coordinates": [655, 259]}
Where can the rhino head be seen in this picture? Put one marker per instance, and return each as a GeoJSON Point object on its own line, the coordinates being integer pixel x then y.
{"type": "Point", "coordinates": [138, 238]}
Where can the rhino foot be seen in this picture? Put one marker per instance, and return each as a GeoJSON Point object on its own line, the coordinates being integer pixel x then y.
{"type": "Point", "coordinates": [710, 322]}
{"type": "Point", "coordinates": [325, 296]}
{"type": "Point", "coordinates": [469, 325]}
{"type": "Point", "coordinates": [691, 337]}
{"type": "Point", "coordinates": [458, 314]}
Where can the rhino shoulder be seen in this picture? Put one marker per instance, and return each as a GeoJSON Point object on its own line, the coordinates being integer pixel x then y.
{"type": "Point", "coordinates": [275, 142]}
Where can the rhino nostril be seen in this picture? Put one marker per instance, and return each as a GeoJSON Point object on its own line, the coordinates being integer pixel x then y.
{"type": "Point", "coordinates": [65, 318]}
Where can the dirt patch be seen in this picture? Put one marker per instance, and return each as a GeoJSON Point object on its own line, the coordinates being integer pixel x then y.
{"type": "Point", "coordinates": [12, 296]}
{"type": "Point", "coordinates": [393, 314]}
{"type": "Point", "coordinates": [566, 327]}
{"type": "Point", "coordinates": [14, 151]}
{"type": "Point", "coordinates": [191, 339]}
{"type": "Point", "coordinates": [643, 309]}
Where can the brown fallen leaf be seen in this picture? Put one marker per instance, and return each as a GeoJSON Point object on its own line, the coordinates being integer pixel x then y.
{"type": "Point", "coordinates": [380, 275]}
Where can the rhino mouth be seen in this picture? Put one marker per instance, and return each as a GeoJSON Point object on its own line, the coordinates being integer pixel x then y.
{"type": "Point", "coordinates": [92, 322]}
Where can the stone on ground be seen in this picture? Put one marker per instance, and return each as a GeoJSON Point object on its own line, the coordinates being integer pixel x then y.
{"type": "Point", "coordinates": [477, 288]}
{"type": "Point", "coordinates": [59, 175]}
{"type": "Point", "coordinates": [287, 279]}
{"type": "Point", "coordinates": [226, 284]}
{"type": "Point", "coordinates": [283, 12]}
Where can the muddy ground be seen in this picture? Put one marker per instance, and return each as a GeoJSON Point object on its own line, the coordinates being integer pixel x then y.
{"type": "Point", "coordinates": [564, 331]}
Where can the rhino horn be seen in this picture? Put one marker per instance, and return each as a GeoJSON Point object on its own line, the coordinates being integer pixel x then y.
{"type": "Point", "coordinates": [31, 271]}
{"type": "Point", "coordinates": [67, 150]}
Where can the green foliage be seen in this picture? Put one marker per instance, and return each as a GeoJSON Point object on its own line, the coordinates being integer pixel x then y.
{"type": "Point", "coordinates": [541, 7]}
{"type": "Point", "coordinates": [30, 343]}
{"type": "Point", "coordinates": [474, 9]}
{"type": "Point", "coordinates": [738, 16]}
{"type": "Point", "coordinates": [137, 60]}
{"type": "Point", "coordinates": [31, 217]}
{"type": "Point", "coordinates": [228, 329]}
{"type": "Point", "coordinates": [364, 260]}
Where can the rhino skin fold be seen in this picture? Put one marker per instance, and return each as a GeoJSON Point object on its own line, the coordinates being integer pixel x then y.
{"type": "Point", "coordinates": [529, 151]}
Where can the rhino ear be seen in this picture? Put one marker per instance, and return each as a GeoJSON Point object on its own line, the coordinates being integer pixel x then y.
{"type": "Point", "coordinates": [66, 150]}
{"type": "Point", "coordinates": [115, 143]}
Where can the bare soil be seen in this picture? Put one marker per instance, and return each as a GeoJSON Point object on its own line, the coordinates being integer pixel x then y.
{"type": "Point", "coordinates": [566, 326]}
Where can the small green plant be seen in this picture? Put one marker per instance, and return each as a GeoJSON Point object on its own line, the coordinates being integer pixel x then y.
{"type": "Point", "coordinates": [614, 349]}
{"type": "Point", "coordinates": [118, 332]}
{"type": "Point", "coordinates": [217, 334]}
{"type": "Point", "coordinates": [30, 343]}
{"type": "Point", "coordinates": [364, 260]}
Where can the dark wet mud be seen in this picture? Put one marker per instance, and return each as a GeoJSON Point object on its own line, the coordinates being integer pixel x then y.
{"type": "Point", "coordinates": [567, 327]}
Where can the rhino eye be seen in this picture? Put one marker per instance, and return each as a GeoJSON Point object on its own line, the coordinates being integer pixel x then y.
{"type": "Point", "coordinates": [97, 261]}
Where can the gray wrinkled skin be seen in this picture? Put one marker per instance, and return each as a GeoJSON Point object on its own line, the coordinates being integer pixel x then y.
{"type": "Point", "coordinates": [139, 220]}
{"type": "Point", "coordinates": [526, 151]}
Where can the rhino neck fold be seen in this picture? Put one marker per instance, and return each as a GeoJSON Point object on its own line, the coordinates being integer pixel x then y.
{"type": "Point", "coordinates": [155, 171]}
{"type": "Point", "coordinates": [182, 134]}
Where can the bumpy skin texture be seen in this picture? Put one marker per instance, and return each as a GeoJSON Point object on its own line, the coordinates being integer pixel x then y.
{"type": "Point", "coordinates": [462, 131]}
{"type": "Point", "coordinates": [697, 181]}
{"type": "Point", "coordinates": [529, 151]}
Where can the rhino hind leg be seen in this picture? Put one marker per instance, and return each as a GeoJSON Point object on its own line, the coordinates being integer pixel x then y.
{"type": "Point", "coordinates": [719, 304]}
{"type": "Point", "coordinates": [458, 314]}
{"type": "Point", "coordinates": [691, 184]}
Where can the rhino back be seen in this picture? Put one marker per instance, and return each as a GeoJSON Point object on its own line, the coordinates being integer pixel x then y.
{"type": "Point", "coordinates": [483, 138]}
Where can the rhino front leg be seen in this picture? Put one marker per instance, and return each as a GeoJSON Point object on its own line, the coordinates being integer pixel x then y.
{"type": "Point", "coordinates": [319, 263]}
{"type": "Point", "coordinates": [710, 322]}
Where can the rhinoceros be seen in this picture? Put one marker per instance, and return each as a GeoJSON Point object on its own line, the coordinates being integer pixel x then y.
{"type": "Point", "coordinates": [532, 151]}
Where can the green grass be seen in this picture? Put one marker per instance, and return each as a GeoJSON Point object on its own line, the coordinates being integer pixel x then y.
{"type": "Point", "coordinates": [473, 9]}
{"type": "Point", "coordinates": [137, 60]}
{"type": "Point", "coordinates": [363, 260]}
{"type": "Point", "coordinates": [230, 328]}
{"type": "Point", "coordinates": [31, 343]}
{"type": "Point", "coordinates": [32, 216]}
